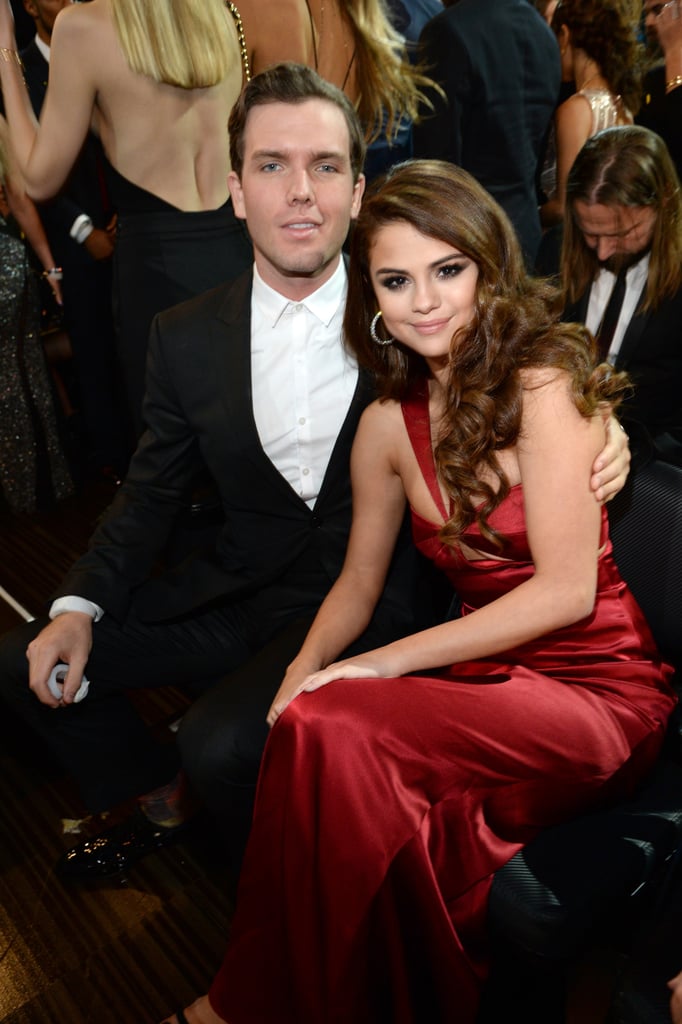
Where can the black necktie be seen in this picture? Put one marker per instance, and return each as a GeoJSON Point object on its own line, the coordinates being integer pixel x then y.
{"type": "Point", "coordinates": [609, 321]}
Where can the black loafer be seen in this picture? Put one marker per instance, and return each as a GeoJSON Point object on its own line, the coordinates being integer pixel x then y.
{"type": "Point", "coordinates": [115, 849]}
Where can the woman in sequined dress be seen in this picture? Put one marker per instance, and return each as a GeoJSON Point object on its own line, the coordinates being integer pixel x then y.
{"type": "Point", "coordinates": [33, 468]}
{"type": "Point", "coordinates": [600, 55]}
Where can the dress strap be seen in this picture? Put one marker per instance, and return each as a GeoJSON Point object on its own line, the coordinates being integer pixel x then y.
{"type": "Point", "coordinates": [415, 409]}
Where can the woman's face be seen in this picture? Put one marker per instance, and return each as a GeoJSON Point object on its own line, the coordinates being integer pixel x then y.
{"type": "Point", "coordinates": [425, 288]}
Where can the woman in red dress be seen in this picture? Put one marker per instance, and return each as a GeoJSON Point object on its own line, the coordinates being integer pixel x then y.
{"type": "Point", "coordinates": [396, 783]}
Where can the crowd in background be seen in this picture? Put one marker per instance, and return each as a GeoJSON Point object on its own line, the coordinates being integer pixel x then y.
{"type": "Point", "coordinates": [133, 132]}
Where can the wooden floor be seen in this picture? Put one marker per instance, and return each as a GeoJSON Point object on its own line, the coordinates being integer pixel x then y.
{"type": "Point", "coordinates": [128, 951]}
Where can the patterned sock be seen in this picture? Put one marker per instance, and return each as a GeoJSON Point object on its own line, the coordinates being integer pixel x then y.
{"type": "Point", "coordinates": [170, 805]}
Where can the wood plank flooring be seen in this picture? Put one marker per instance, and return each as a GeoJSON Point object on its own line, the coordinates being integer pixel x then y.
{"type": "Point", "coordinates": [124, 952]}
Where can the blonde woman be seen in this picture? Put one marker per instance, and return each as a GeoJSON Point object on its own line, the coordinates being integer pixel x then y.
{"type": "Point", "coordinates": [33, 469]}
{"type": "Point", "coordinates": [156, 79]}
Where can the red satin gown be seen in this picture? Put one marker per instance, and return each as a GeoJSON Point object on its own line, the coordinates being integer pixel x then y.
{"type": "Point", "coordinates": [385, 805]}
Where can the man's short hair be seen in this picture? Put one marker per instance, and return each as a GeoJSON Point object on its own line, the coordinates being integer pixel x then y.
{"type": "Point", "coordinates": [291, 83]}
{"type": "Point", "coordinates": [625, 166]}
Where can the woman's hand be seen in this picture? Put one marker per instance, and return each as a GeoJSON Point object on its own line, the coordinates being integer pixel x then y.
{"type": "Point", "coordinates": [53, 276]}
{"type": "Point", "coordinates": [372, 665]}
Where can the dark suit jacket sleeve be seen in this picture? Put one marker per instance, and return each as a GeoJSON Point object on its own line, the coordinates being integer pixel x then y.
{"type": "Point", "coordinates": [672, 125]}
{"type": "Point", "coordinates": [438, 133]}
{"type": "Point", "coordinates": [59, 214]}
{"type": "Point", "coordinates": [126, 545]}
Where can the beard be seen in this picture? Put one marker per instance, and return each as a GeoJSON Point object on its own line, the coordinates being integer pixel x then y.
{"type": "Point", "coordinates": [623, 260]}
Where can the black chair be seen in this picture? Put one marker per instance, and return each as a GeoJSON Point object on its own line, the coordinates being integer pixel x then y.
{"type": "Point", "coordinates": [590, 880]}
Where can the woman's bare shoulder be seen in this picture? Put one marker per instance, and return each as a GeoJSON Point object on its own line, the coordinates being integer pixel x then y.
{"type": "Point", "coordinates": [86, 30]}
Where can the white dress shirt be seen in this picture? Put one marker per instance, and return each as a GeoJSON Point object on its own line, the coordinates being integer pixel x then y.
{"type": "Point", "coordinates": [600, 293]}
{"type": "Point", "coordinates": [302, 380]}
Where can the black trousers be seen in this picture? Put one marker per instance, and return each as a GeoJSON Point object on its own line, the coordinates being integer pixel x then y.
{"type": "Point", "coordinates": [235, 654]}
{"type": "Point", "coordinates": [223, 734]}
{"type": "Point", "coordinates": [102, 741]}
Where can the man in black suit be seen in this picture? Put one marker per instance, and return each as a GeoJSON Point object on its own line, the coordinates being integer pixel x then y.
{"type": "Point", "coordinates": [252, 377]}
{"type": "Point", "coordinates": [661, 108]}
{"type": "Point", "coordinates": [79, 224]}
{"type": "Point", "coordinates": [623, 241]}
{"type": "Point", "coordinates": [497, 62]}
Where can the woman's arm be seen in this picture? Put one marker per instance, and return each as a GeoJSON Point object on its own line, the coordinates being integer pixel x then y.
{"type": "Point", "coordinates": [47, 151]}
{"type": "Point", "coordinates": [573, 123]}
{"type": "Point", "coordinates": [563, 523]}
{"type": "Point", "coordinates": [24, 212]}
{"type": "Point", "coordinates": [378, 510]}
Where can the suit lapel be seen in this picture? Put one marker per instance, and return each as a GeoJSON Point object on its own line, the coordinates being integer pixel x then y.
{"type": "Point", "coordinates": [576, 312]}
{"type": "Point", "coordinates": [339, 462]}
{"type": "Point", "coordinates": [633, 335]}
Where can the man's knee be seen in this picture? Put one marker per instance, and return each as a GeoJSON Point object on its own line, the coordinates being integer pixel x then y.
{"type": "Point", "coordinates": [220, 746]}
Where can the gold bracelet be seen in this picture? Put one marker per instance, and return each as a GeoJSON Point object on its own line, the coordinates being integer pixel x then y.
{"type": "Point", "coordinates": [674, 83]}
{"type": "Point", "coordinates": [11, 57]}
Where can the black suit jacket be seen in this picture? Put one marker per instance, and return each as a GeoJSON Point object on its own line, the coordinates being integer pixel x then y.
{"type": "Point", "coordinates": [662, 113]}
{"type": "Point", "coordinates": [498, 64]}
{"type": "Point", "coordinates": [199, 407]}
{"type": "Point", "coordinates": [651, 353]}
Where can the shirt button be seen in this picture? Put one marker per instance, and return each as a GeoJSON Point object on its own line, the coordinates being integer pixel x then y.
{"type": "Point", "coordinates": [306, 472]}
{"type": "Point", "coordinates": [301, 420]}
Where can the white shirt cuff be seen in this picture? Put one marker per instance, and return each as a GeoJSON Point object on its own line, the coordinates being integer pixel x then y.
{"type": "Point", "coordinates": [81, 228]}
{"type": "Point", "coordinates": [76, 604]}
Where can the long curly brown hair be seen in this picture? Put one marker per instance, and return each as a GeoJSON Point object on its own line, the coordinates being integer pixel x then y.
{"type": "Point", "coordinates": [515, 327]}
{"type": "Point", "coordinates": [603, 30]}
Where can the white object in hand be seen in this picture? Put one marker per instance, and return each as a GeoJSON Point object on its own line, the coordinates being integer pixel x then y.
{"type": "Point", "coordinates": [55, 683]}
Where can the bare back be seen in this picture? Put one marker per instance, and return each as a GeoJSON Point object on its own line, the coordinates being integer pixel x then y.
{"type": "Point", "coordinates": [170, 141]}
{"type": "Point", "coordinates": [312, 32]}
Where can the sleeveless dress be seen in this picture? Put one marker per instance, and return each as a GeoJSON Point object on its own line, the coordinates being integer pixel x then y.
{"type": "Point", "coordinates": [607, 109]}
{"type": "Point", "coordinates": [163, 256]}
{"type": "Point", "coordinates": [33, 467]}
{"type": "Point", "coordinates": [384, 806]}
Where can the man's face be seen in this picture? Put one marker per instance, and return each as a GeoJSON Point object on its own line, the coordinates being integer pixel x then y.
{"type": "Point", "coordinates": [619, 235]}
{"type": "Point", "coordinates": [652, 9]}
{"type": "Point", "coordinates": [296, 192]}
{"type": "Point", "coordinates": [44, 13]}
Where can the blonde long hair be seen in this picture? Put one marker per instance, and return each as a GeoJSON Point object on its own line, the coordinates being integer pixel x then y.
{"type": "Point", "coordinates": [187, 43]}
{"type": "Point", "coordinates": [389, 87]}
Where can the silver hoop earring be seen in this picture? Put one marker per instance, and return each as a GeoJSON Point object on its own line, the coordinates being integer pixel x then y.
{"type": "Point", "coordinates": [373, 332]}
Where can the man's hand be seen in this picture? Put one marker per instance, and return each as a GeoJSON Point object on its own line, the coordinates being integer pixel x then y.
{"type": "Point", "coordinates": [68, 638]}
{"type": "Point", "coordinates": [669, 28]}
{"type": "Point", "coordinates": [612, 465]}
{"type": "Point", "coordinates": [100, 244]}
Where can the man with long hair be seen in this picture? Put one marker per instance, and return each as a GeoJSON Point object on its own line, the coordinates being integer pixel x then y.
{"type": "Point", "coordinates": [623, 229]}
